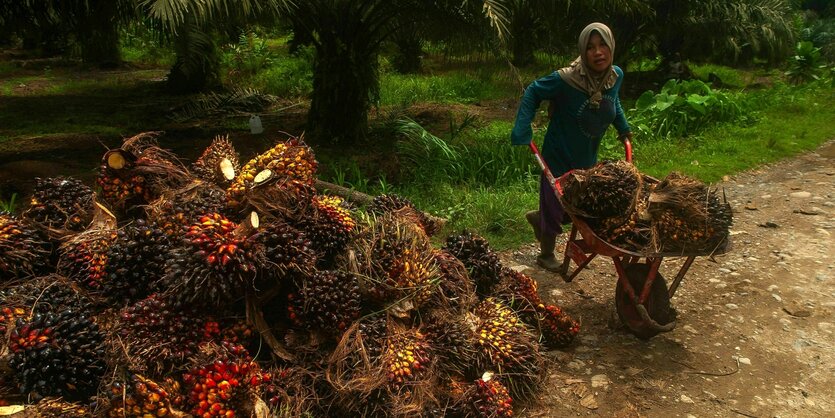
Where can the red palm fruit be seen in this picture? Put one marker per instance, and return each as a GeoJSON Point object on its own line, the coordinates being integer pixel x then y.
{"type": "Point", "coordinates": [24, 251]}
{"type": "Point", "coordinates": [557, 328]}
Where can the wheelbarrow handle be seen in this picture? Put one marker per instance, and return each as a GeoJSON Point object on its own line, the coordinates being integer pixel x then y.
{"type": "Point", "coordinates": [627, 145]}
{"type": "Point", "coordinates": [555, 184]}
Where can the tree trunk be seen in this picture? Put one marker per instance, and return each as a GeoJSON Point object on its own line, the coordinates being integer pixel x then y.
{"type": "Point", "coordinates": [344, 82]}
{"type": "Point", "coordinates": [197, 67]}
{"type": "Point", "coordinates": [407, 60]}
{"type": "Point", "coordinates": [99, 35]}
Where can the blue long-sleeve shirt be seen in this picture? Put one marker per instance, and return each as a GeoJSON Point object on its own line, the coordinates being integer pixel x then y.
{"type": "Point", "coordinates": [575, 129]}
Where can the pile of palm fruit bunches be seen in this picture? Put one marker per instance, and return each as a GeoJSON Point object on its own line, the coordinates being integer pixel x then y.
{"type": "Point", "coordinates": [678, 214]}
{"type": "Point", "coordinates": [217, 289]}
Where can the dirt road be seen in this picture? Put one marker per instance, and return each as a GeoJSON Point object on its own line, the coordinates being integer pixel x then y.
{"type": "Point", "coordinates": [755, 326]}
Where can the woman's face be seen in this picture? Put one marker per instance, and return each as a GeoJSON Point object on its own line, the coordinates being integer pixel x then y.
{"type": "Point", "coordinates": [598, 55]}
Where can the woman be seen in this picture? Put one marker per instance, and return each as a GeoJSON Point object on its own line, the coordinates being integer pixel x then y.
{"type": "Point", "coordinates": [584, 102]}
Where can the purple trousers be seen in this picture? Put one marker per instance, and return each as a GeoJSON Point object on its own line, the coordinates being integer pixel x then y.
{"type": "Point", "coordinates": [551, 212]}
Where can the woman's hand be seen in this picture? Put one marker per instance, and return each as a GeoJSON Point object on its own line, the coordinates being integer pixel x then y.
{"type": "Point", "coordinates": [625, 136]}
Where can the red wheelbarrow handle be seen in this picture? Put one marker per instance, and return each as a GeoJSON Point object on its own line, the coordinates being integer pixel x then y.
{"type": "Point", "coordinates": [628, 148]}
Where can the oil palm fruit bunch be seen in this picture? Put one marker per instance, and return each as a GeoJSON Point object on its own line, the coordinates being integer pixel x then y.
{"type": "Point", "coordinates": [373, 331]}
{"type": "Point", "coordinates": [501, 337]}
{"type": "Point", "coordinates": [217, 261]}
{"type": "Point", "coordinates": [135, 261]}
{"type": "Point", "coordinates": [406, 358]}
{"type": "Point", "coordinates": [328, 300]}
{"type": "Point", "coordinates": [453, 341]}
{"type": "Point", "coordinates": [481, 262]}
{"type": "Point", "coordinates": [404, 208]}
{"type": "Point", "coordinates": [84, 258]}
{"type": "Point", "coordinates": [219, 162]}
{"type": "Point", "coordinates": [121, 185]}
{"type": "Point", "coordinates": [176, 210]}
{"type": "Point", "coordinates": [606, 190]}
{"type": "Point", "coordinates": [60, 203]}
{"type": "Point", "coordinates": [632, 230]}
{"type": "Point", "coordinates": [487, 397]}
{"type": "Point", "coordinates": [140, 397]}
{"type": "Point", "coordinates": [292, 162]}
{"type": "Point", "coordinates": [57, 354]}
{"type": "Point", "coordinates": [222, 382]}
{"type": "Point", "coordinates": [688, 215]}
{"type": "Point", "coordinates": [287, 249]}
{"type": "Point", "coordinates": [455, 289]}
{"type": "Point", "coordinates": [518, 290]}
{"type": "Point", "coordinates": [235, 331]}
{"type": "Point", "coordinates": [396, 261]}
{"type": "Point", "coordinates": [58, 408]}
{"type": "Point", "coordinates": [329, 225]}
{"type": "Point", "coordinates": [557, 328]}
{"type": "Point", "coordinates": [161, 332]}
{"type": "Point", "coordinates": [47, 294]}
{"type": "Point", "coordinates": [24, 251]}
{"type": "Point", "coordinates": [138, 172]}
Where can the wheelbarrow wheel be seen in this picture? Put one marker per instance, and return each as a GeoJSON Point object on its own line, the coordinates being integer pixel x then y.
{"type": "Point", "coordinates": [657, 304]}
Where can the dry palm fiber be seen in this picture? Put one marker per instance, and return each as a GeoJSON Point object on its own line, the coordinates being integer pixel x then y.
{"type": "Point", "coordinates": [395, 262]}
{"type": "Point", "coordinates": [606, 190]}
{"type": "Point", "coordinates": [392, 203]}
{"type": "Point", "coordinates": [176, 209]}
{"type": "Point", "coordinates": [295, 392]}
{"type": "Point", "coordinates": [687, 215]}
{"type": "Point", "coordinates": [57, 408]}
{"type": "Point", "coordinates": [383, 368]}
{"type": "Point", "coordinates": [60, 206]}
{"type": "Point", "coordinates": [482, 262]}
{"type": "Point", "coordinates": [219, 162]}
{"type": "Point", "coordinates": [24, 250]}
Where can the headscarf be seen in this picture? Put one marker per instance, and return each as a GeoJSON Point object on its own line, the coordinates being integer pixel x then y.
{"type": "Point", "coordinates": [578, 75]}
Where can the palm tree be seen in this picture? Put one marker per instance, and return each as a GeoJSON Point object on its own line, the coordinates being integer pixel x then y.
{"type": "Point", "coordinates": [48, 23]}
{"type": "Point", "coordinates": [346, 35]}
{"type": "Point", "coordinates": [194, 26]}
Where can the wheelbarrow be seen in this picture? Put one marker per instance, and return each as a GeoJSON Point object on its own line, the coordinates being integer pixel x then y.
{"type": "Point", "coordinates": [642, 297]}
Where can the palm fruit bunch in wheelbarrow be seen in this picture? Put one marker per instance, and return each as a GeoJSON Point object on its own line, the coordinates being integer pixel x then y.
{"type": "Point", "coordinates": [641, 214]}
{"type": "Point", "coordinates": [688, 216]}
{"type": "Point", "coordinates": [213, 289]}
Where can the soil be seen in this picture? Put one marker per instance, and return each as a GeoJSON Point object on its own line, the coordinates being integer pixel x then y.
{"type": "Point", "coordinates": [754, 334]}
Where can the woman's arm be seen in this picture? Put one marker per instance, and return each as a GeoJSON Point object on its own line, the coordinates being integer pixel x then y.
{"type": "Point", "coordinates": [620, 119]}
{"type": "Point", "coordinates": [544, 88]}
